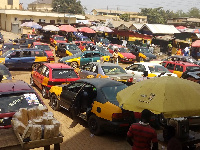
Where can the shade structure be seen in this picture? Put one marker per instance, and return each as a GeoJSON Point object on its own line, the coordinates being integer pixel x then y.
{"type": "Point", "coordinates": [196, 31]}
{"type": "Point", "coordinates": [67, 28]}
{"type": "Point", "coordinates": [196, 43]}
{"type": "Point", "coordinates": [103, 29]}
{"type": "Point", "coordinates": [50, 28]}
{"type": "Point", "coordinates": [86, 30]}
{"type": "Point", "coordinates": [36, 26]}
{"type": "Point", "coordinates": [172, 96]}
{"type": "Point", "coordinates": [28, 24]}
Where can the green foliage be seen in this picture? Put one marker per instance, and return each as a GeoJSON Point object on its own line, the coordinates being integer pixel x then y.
{"type": "Point", "coordinates": [160, 16]}
{"type": "Point", "coordinates": [125, 17]}
{"type": "Point", "coordinates": [68, 6]}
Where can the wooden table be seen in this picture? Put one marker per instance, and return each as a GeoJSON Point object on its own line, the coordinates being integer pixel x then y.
{"type": "Point", "coordinates": [12, 141]}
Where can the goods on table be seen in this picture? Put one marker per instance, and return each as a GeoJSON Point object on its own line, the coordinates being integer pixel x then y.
{"type": "Point", "coordinates": [35, 124]}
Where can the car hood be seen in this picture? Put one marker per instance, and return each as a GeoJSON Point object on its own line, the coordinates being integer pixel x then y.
{"type": "Point", "coordinates": [151, 56]}
{"type": "Point", "coordinates": [122, 76]}
{"type": "Point", "coordinates": [49, 53]}
{"type": "Point", "coordinates": [129, 55]}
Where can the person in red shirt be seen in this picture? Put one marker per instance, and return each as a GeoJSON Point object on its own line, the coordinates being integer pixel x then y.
{"type": "Point", "coordinates": [141, 136]}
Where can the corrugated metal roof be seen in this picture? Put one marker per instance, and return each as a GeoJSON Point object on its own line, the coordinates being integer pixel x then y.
{"type": "Point", "coordinates": [46, 14]}
{"type": "Point", "coordinates": [161, 28]}
{"type": "Point", "coordinates": [138, 25]}
{"type": "Point", "coordinates": [114, 11]}
{"type": "Point", "coordinates": [42, 2]}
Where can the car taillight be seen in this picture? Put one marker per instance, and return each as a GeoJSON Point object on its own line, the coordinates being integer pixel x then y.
{"type": "Point", "coordinates": [130, 80]}
{"type": "Point", "coordinates": [117, 116]}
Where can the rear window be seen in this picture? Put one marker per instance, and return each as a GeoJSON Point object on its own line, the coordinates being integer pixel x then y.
{"type": "Point", "coordinates": [63, 73]}
{"type": "Point", "coordinates": [13, 102]}
{"type": "Point", "coordinates": [43, 47]}
{"type": "Point", "coordinates": [39, 53]}
{"type": "Point", "coordinates": [192, 68]}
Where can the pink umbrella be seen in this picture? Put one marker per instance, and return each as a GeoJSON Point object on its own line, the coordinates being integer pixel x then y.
{"type": "Point", "coordinates": [103, 29]}
{"type": "Point", "coordinates": [28, 24]}
{"type": "Point", "coordinates": [86, 30]}
{"type": "Point", "coordinates": [180, 27]}
{"type": "Point", "coordinates": [67, 28]}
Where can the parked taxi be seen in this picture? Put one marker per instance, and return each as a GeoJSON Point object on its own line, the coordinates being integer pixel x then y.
{"type": "Point", "coordinates": [55, 39]}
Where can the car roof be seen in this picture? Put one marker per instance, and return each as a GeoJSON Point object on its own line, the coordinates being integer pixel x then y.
{"type": "Point", "coordinates": [11, 43]}
{"type": "Point", "coordinates": [40, 43]}
{"type": "Point", "coordinates": [8, 86]}
{"type": "Point", "coordinates": [57, 65]}
{"type": "Point", "coordinates": [104, 64]}
{"type": "Point", "coordinates": [101, 82]}
{"type": "Point", "coordinates": [182, 63]}
{"type": "Point", "coordinates": [148, 64]}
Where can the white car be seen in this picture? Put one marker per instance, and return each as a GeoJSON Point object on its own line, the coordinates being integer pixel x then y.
{"type": "Point", "coordinates": [154, 70]}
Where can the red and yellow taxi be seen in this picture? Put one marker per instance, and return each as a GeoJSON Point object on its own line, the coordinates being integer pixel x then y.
{"type": "Point", "coordinates": [55, 39]}
{"type": "Point", "coordinates": [46, 48]}
{"type": "Point", "coordinates": [49, 74]}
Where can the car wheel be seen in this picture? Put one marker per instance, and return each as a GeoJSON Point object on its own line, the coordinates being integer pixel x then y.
{"type": "Point", "coordinates": [94, 125]}
{"type": "Point", "coordinates": [44, 92]}
{"type": "Point", "coordinates": [54, 102]}
{"type": "Point", "coordinates": [35, 66]}
{"type": "Point", "coordinates": [31, 81]}
{"type": "Point", "coordinates": [74, 64]}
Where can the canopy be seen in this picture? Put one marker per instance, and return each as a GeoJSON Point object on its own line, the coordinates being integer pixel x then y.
{"type": "Point", "coordinates": [36, 26]}
{"type": "Point", "coordinates": [67, 28]}
{"type": "Point", "coordinates": [196, 43]}
{"type": "Point", "coordinates": [50, 28]}
{"type": "Point", "coordinates": [86, 30]}
{"type": "Point", "coordinates": [172, 96]}
{"type": "Point", "coordinates": [196, 31]}
{"type": "Point", "coordinates": [103, 29]}
{"type": "Point", "coordinates": [28, 24]}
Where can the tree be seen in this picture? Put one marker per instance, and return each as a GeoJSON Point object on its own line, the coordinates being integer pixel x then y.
{"type": "Point", "coordinates": [125, 17]}
{"type": "Point", "coordinates": [68, 6]}
{"type": "Point", "coordinates": [194, 12]}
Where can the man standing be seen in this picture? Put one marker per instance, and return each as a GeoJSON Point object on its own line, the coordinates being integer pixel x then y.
{"type": "Point", "coordinates": [115, 56]}
{"type": "Point", "coordinates": [141, 136]}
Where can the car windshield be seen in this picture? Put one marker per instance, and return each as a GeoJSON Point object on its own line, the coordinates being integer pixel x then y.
{"type": "Point", "coordinates": [6, 54]}
{"type": "Point", "coordinates": [104, 40]}
{"type": "Point", "coordinates": [192, 68]}
{"type": "Point", "coordinates": [32, 36]}
{"type": "Point", "coordinates": [112, 70]}
{"type": "Point", "coordinates": [4, 71]}
{"type": "Point", "coordinates": [159, 69]}
{"type": "Point", "coordinates": [123, 50]}
{"type": "Point", "coordinates": [110, 92]}
{"type": "Point", "coordinates": [13, 102]}
{"type": "Point", "coordinates": [30, 41]}
{"type": "Point", "coordinates": [59, 38]}
{"type": "Point", "coordinates": [72, 47]}
{"type": "Point", "coordinates": [144, 50]}
{"type": "Point", "coordinates": [63, 73]}
{"type": "Point", "coordinates": [85, 39]}
{"type": "Point", "coordinates": [10, 46]}
{"type": "Point", "coordinates": [43, 47]}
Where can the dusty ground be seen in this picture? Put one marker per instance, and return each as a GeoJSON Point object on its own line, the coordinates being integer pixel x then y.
{"type": "Point", "coordinates": [76, 133]}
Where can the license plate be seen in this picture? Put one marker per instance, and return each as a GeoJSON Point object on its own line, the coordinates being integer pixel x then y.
{"type": "Point", "coordinates": [52, 61]}
{"type": "Point", "coordinates": [130, 59]}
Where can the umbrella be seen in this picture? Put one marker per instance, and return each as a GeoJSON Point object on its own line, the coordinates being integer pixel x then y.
{"type": "Point", "coordinates": [172, 96]}
{"type": "Point", "coordinates": [86, 30]}
{"type": "Point", "coordinates": [196, 43]}
{"type": "Point", "coordinates": [28, 24]}
{"type": "Point", "coordinates": [36, 26]}
{"type": "Point", "coordinates": [103, 29]}
{"type": "Point", "coordinates": [67, 28]}
{"type": "Point", "coordinates": [196, 31]}
{"type": "Point", "coordinates": [50, 28]}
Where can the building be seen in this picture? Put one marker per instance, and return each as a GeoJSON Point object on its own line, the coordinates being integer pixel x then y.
{"type": "Point", "coordinates": [184, 21]}
{"type": "Point", "coordinates": [9, 4]}
{"type": "Point", "coordinates": [12, 19]}
{"type": "Point", "coordinates": [41, 5]}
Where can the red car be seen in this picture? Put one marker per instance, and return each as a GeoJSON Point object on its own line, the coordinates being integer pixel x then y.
{"type": "Point", "coordinates": [124, 55]}
{"type": "Point", "coordinates": [49, 74]}
{"type": "Point", "coordinates": [178, 67]}
{"type": "Point", "coordinates": [82, 44]}
{"type": "Point", "coordinates": [15, 94]}
{"type": "Point", "coordinates": [55, 39]}
{"type": "Point", "coordinates": [46, 48]}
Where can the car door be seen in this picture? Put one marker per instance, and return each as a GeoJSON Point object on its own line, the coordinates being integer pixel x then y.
{"type": "Point", "coordinates": [36, 75]}
{"type": "Point", "coordinates": [137, 70]}
{"type": "Point", "coordinates": [27, 59]}
{"type": "Point", "coordinates": [86, 58]}
{"type": "Point", "coordinates": [170, 66]}
{"type": "Point", "coordinates": [14, 60]}
{"type": "Point", "coordinates": [96, 56]}
{"type": "Point", "coordinates": [69, 93]}
{"type": "Point", "coordinates": [86, 70]}
{"type": "Point", "coordinates": [178, 70]}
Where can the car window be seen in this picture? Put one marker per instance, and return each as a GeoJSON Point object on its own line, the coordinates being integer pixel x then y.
{"type": "Point", "coordinates": [170, 66]}
{"type": "Point", "coordinates": [74, 87]}
{"type": "Point", "coordinates": [13, 102]}
{"type": "Point", "coordinates": [15, 54]}
{"type": "Point", "coordinates": [26, 54]}
{"type": "Point", "coordinates": [43, 47]}
{"type": "Point", "coordinates": [134, 67]}
{"type": "Point", "coordinates": [112, 70]}
{"type": "Point", "coordinates": [39, 53]}
{"type": "Point", "coordinates": [95, 69]}
{"type": "Point", "coordinates": [63, 73]}
{"type": "Point", "coordinates": [157, 68]}
{"type": "Point", "coordinates": [88, 67]}
{"type": "Point", "coordinates": [45, 71]}
{"type": "Point", "coordinates": [192, 68]}
{"type": "Point", "coordinates": [179, 68]}
{"type": "Point", "coordinates": [163, 63]}
{"type": "Point", "coordinates": [39, 70]}
{"type": "Point", "coordinates": [88, 55]}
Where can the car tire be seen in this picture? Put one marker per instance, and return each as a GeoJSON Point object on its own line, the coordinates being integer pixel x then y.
{"type": "Point", "coordinates": [94, 125]}
{"type": "Point", "coordinates": [31, 81]}
{"type": "Point", "coordinates": [44, 92]}
{"type": "Point", "coordinates": [54, 102]}
{"type": "Point", "coordinates": [74, 64]}
{"type": "Point", "coordinates": [141, 59]}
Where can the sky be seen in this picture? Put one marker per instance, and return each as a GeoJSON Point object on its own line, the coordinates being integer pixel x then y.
{"type": "Point", "coordinates": [133, 5]}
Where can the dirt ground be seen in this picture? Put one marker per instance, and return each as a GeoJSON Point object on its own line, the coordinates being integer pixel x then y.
{"type": "Point", "coordinates": [76, 133]}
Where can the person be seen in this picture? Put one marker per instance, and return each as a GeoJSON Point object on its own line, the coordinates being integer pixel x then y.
{"type": "Point", "coordinates": [141, 135]}
{"type": "Point", "coordinates": [115, 56]}
{"type": "Point", "coordinates": [169, 49]}
{"type": "Point", "coordinates": [179, 52]}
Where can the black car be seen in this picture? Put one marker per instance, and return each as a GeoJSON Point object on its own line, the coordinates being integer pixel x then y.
{"type": "Point", "coordinates": [96, 100]}
{"type": "Point", "coordinates": [67, 49]}
{"type": "Point", "coordinates": [9, 45]}
{"type": "Point", "coordinates": [5, 72]}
